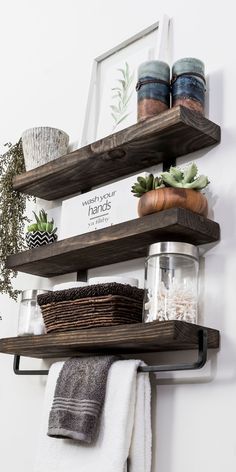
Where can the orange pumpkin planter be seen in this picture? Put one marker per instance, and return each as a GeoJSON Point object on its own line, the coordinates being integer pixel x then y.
{"type": "Point", "coordinates": [168, 197]}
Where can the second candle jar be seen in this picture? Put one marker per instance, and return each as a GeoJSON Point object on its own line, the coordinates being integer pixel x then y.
{"type": "Point", "coordinates": [188, 84]}
{"type": "Point", "coordinates": [153, 89]}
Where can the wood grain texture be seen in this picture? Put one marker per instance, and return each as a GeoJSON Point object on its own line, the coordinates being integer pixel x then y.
{"type": "Point", "coordinates": [149, 337]}
{"type": "Point", "coordinates": [116, 243]}
{"type": "Point", "coordinates": [168, 197]}
{"type": "Point", "coordinates": [173, 133]}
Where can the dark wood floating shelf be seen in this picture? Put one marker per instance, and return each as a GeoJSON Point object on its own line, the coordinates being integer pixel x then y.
{"type": "Point", "coordinates": [149, 337]}
{"type": "Point", "coordinates": [116, 243]}
{"type": "Point", "coordinates": [171, 134]}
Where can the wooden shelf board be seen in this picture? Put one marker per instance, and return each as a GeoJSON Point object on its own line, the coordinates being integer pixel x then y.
{"type": "Point", "coordinates": [171, 134]}
{"type": "Point", "coordinates": [116, 243]}
{"type": "Point", "coordinates": [135, 338]}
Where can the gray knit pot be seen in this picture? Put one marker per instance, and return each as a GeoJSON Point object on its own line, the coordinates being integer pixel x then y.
{"type": "Point", "coordinates": [43, 144]}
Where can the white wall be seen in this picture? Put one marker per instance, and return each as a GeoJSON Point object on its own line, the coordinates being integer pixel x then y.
{"type": "Point", "coordinates": [47, 49]}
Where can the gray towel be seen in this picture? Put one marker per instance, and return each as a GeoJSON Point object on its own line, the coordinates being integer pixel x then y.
{"type": "Point", "coordinates": [79, 397]}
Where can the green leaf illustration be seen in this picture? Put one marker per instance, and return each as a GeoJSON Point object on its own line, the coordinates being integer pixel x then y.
{"type": "Point", "coordinates": [122, 119]}
{"type": "Point", "coordinates": [122, 96]}
{"type": "Point", "coordinates": [115, 109]}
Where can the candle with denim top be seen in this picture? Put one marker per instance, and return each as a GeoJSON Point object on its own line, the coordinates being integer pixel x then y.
{"type": "Point", "coordinates": [153, 89]}
{"type": "Point", "coordinates": [188, 84]}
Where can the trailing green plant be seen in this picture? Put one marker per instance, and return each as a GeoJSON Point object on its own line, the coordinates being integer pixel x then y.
{"type": "Point", "coordinates": [175, 177]}
{"type": "Point", "coordinates": [42, 224]}
{"type": "Point", "coordinates": [12, 214]}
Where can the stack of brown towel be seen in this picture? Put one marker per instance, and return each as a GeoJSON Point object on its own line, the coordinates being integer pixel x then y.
{"type": "Point", "coordinates": [91, 307]}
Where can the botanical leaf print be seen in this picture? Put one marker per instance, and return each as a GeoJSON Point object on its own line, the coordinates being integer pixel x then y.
{"type": "Point", "coordinates": [121, 95]}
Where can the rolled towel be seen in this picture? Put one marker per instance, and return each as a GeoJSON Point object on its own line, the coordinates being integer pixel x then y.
{"type": "Point", "coordinates": [79, 397]}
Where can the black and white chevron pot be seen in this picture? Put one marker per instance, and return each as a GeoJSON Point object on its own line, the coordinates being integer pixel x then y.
{"type": "Point", "coordinates": [39, 238]}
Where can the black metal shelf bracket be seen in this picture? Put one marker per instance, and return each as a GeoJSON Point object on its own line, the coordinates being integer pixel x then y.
{"type": "Point", "coordinates": [18, 371]}
{"type": "Point", "coordinates": [198, 364]}
{"type": "Point", "coordinates": [167, 163]}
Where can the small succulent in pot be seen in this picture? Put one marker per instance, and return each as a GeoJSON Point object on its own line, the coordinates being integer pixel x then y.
{"type": "Point", "coordinates": [175, 188]}
{"type": "Point", "coordinates": [41, 232]}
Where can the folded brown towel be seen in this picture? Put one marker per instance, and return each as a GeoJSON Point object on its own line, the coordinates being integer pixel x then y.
{"type": "Point", "coordinates": [79, 397]}
{"type": "Point", "coordinates": [90, 291]}
{"type": "Point", "coordinates": [93, 306]}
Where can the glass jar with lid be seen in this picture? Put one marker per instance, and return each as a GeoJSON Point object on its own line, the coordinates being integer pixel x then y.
{"type": "Point", "coordinates": [171, 282]}
{"type": "Point", "coordinates": [30, 319]}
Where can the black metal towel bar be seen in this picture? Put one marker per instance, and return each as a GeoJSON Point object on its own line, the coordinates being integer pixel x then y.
{"type": "Point", "coordinates": [200, 362]}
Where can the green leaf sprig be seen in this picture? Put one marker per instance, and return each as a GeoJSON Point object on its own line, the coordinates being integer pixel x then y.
{"type": "Point", "coordinates": [122, 94]}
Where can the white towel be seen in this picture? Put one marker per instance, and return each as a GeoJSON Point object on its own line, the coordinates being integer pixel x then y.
{"type": "Point", "coordinates": [125, 429]}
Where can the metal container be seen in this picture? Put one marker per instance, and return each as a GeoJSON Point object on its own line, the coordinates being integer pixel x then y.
{"type": "Point", "coordinates": [30, 319]}
{"type": "Point", "coordinates": [171, 282]}
{"type": "Point", "coordinates": [188, 84]}
{"type": "Point", "coordinates": [153, 89]}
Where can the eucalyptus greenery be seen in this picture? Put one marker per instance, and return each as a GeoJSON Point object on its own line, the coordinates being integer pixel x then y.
{"type": "Point", "coordinates": [122, 94]}
{"type": "Point", "coordinates": [12, 214]}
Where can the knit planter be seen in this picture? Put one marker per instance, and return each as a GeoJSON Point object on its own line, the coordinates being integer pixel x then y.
{"type": "Point", "coordinates": [39, 238]}
{"type": "Point", "coordinates": [42, 145]}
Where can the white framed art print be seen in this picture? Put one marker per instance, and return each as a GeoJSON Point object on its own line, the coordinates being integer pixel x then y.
{"type": "Point", "coordinates": [112, 101]}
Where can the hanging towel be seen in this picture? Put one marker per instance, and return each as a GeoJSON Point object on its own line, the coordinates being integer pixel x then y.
{"type": "Point", "coordinates": [125, 429]}
{"type": "Point", "coordinates": [79, 398]}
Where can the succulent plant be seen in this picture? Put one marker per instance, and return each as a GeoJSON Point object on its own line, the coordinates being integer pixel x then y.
{"type": "Point", "coordinates": [186, 178]}
{"type": "Point", "coordinates": [175, 177]}
{"type": "Point", "coordinates": [42, 224]}
{"type": "Point", "coordinates": [145, 184]}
